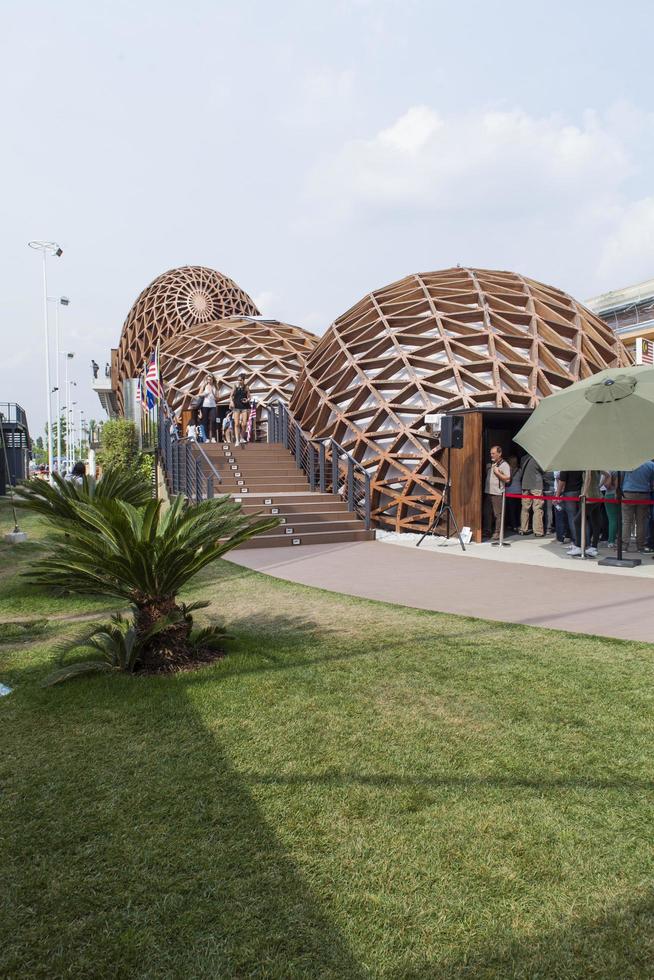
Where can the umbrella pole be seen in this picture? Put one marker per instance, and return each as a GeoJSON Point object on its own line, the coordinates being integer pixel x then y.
{"type": "Point", "coordinates": [619, 561]}
{"type": "Point", "coordinates": [619, 499]}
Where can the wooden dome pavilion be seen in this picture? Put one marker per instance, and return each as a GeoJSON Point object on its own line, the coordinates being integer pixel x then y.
{"type": "Point", "coordinates": [270, 354]}
{"type": "Point", "coordinates": [471, 340]}
{"type": "Point", "coordinates": [174, 302]}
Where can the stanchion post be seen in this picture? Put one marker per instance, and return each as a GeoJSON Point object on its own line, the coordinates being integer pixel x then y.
{"type": "Point", "coordinates": [583, 525]}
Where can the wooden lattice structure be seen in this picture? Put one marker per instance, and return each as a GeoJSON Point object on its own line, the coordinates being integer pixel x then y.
{"type": "Point", "coordinates": [175, 302]}
{"type": "Point", "coordinates": [436, 342]}
{"type": "Point", "coordinates": [270, 354]}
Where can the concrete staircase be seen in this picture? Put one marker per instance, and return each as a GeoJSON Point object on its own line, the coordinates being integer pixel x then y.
{"type": "Point", "coordinates": [265, 478]}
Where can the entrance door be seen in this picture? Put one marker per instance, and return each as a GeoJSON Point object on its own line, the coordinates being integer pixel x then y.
{"type": "Point", "coordinates": [483, 428]}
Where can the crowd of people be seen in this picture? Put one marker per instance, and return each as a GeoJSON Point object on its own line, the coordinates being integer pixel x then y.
{"type": "Point", "coordinates": [208, 424]}
{"type": "Point", "coordinates": [529, 511]}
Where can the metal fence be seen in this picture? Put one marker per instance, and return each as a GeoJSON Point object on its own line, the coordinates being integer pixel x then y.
{"type": "Point", "coordinates": [187, 468]}
{"type": "Point", "coordinates": [329, 467]}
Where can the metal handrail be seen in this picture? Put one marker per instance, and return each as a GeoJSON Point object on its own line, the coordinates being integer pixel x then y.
{"type": "Point", "coordinates": [203, 453]}
{"type": "Point", "coordinates": [181, 462]}
{"type": "Point", "coordinates": [311, 455]}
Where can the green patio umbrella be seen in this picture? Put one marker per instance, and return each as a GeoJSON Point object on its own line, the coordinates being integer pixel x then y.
{"type": "Point", "coordinates": [603, 422]}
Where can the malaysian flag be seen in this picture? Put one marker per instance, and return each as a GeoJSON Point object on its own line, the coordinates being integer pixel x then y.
{"type": "Point", "coordinates": [644, 351]}
{"type": "Point", "coordinates": [152, 383]}
{"type": "Point", "coordinates": [139, 394]}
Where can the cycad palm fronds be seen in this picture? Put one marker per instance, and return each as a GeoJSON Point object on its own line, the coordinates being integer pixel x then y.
{"type": "Point", "coordinates": [56, 501]}
{"type": "Point", "coordinates": [145, 556]}
{"type": "Point", "coordinates": [115, 549]}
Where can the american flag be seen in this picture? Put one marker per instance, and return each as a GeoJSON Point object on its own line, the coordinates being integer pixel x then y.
{"type": "Point", "coordinates": [251, 419]}
{"type": "Point", "coordinates": [644, 351]}
{"type": "Point", "coordinates": [152, 383]}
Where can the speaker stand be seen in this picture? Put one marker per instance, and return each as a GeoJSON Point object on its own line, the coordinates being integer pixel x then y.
{"type": "Point", "coordinates": [444, 512]}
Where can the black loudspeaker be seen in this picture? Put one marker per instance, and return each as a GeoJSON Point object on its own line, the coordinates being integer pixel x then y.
{"type": "Point", "coordinates": [452, 431]}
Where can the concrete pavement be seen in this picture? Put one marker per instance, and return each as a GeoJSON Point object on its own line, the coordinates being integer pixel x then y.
{"type": "Point", "coordinates": [615, 604]}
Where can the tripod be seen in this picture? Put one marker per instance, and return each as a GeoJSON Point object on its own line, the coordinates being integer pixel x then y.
{"type": "Point", "coordinates": [444, 511]}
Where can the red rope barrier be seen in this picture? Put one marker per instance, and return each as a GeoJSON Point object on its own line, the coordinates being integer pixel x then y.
{"type": "Point", "coordinates": [589, 500]}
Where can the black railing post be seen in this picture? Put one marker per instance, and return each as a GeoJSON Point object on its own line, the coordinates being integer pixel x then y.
{"type": "Point", "coordinates": [312, 465]}
{"type": "Point", "coordinates": [334, 470]}
{"type": "Point", "coordinates": [209, 488]}
{"type": "Point", "coordinates": [323, 474]}
{"type": "Point", "coordinates": [175, 468]}
{"type": "Point", "coordinates": [367, 502]}
{"type": "Point", "coordinates": [298, 446]}
{"type": "Point", "coordinates": [187, 472]}
{"type": "Point", "coordinates": [284, 426]}
{"type": "Point", "coordinates": [350, 484]}
{"type": "Point", "coordinates": [198, 481]}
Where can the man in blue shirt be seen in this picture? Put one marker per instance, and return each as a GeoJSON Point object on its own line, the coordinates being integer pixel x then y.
{"type": "Point", "coordinates": [637, 485]}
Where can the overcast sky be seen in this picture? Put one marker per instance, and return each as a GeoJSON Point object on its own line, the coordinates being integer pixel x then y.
{"type": "Point", "coordinates": [313, 152]}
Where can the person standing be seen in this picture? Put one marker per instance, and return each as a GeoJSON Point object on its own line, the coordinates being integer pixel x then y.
{"type": "Point", "coordinates": [532, 485]}
{"type": "Point", "coordinates": [498, 474]}
{"type": "Point", "coordinates": [209, 408]}
{"type": "Point", "coordinates": [569, 486]}
{"type": "Point", "coordinates": [636, 485]}
{"type": "Point", "coordinates": [590, 488]}
{"type": "Point", "coordinates": [239, 404]}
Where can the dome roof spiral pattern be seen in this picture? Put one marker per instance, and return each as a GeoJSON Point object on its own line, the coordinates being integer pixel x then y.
{"type": "Point", "coordinates": [437, 342]}
{"type": "Point", "coordinates": [174, 302]}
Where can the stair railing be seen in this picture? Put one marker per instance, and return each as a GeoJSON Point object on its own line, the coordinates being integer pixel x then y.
{"type": "Point", "coordinates": [329, 467]}
{"type": "Point", "coordinates": [182, 462]}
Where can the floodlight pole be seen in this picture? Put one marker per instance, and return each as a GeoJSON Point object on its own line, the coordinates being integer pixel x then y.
{"type": "Point", "coordinates": [58, 301]}
{"type": "Point", "coordinates": [44, 248]}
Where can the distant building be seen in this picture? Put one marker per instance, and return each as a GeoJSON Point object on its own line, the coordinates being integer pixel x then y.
{"type": "Point", "coordinates": [630, 312]}
{"type": "Point", "coordinates": [16, 439]}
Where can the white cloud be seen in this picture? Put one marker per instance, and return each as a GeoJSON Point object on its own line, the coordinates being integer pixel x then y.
{"type": "Point", "coordinates": [321, 96]}
{"type": "Point", "coordinates": [481, 159]}
{"type": "Point", "coordinates": [485, 176]}
{"type": "Point", "coordinates": [627, 254]}
{"type": "Point", "coordinates": [266, 302]}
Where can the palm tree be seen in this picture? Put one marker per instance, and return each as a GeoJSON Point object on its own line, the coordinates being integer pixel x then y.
{"type": "Point", "coordinates": [55, 502]}
{"type": "Point", "coordinates": [144, 555]}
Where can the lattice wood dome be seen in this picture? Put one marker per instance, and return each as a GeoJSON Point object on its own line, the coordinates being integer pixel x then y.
{"type": "Point", "coordinates": [176, 301]}
{"type": "Point", "coordinates": [437, 342]}
{"type": "Point", "coordinates": [270, 354]}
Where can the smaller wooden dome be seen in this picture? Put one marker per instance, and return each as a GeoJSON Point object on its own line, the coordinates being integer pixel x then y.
{"type": "Point", "coordinates": [270, 354]}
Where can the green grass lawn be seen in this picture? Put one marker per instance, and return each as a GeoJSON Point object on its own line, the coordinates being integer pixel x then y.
{"type": "Point", "coordinates": [357, 790]}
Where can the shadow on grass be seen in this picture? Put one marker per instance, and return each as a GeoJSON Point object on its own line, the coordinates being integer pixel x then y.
{"type": "Point", "coordinates": [393, 781]}
{"type": "Point", "coordinates": [154, 860]}
{"type": "Point", "coordinates": [619, 944]}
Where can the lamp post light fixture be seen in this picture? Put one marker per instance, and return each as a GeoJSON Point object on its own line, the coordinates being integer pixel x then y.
{"type": "Point", "coordinates": [58, 301]}
{"type": "Point", "coordinates": [47, 248]}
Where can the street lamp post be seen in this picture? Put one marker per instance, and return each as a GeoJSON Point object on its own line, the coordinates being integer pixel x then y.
{"type": "Point", "coordinates": [73, 431]}
{"type": "Point", "coordinates": [68, 383]}
{"type": "Point", "coordinates": [58, 301]}
{"type": "Point", "coordinates": [47, 248]}
{"type": "Point", "coordinates": [81, 433]}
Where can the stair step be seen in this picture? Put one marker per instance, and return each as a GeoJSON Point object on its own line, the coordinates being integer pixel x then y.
{"type": "Point", "coordinates": [308, 507]}
{"type": "Point", "coordinates": [304, 526]}
{"type": "Point", "coordinates": [312, 537]}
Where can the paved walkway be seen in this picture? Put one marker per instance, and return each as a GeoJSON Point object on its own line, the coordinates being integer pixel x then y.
{"type": "Point", "coordinates": [617, 604]}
